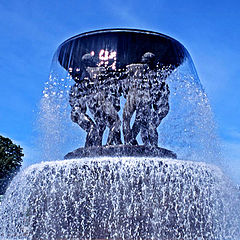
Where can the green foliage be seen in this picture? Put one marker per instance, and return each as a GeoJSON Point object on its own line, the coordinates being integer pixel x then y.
{"type": "Point", "coordinates": [10, 161]}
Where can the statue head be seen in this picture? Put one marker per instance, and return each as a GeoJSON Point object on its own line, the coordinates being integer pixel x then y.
{"type": "Point", "coordinates": [148, 57]}
{"type": "Point", "coordinates": [88, 60]}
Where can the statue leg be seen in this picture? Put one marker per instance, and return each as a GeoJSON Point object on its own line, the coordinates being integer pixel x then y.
{"type": "Point", "coordinates": [128, 110]}
{"type": "Point", "coordinates": [100, 124]}
{"type": "Point", "coordinates": [135, 129]}
{"type": "Point", "coordinates": [157, 117]}
{"type": "Point", "coordinates": [86, 123]}
{"type": "Point", "coordinates": [143, 119]}
{"type": "Point", "coordinates": [101, 129]}
{"type": "Point", "coordinates": [153, 135]}
{"type": "Point", "coordinates": [114, 123]}
{"type": "Point", "coordinates": [114, 136]}
{"type": "Point", "coordinates": [145, 133]}
{"type": "Point", "coordinates": [95, 106]}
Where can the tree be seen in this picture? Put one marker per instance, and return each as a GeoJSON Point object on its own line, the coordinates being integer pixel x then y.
{"type": "Point", "coordinates": [10, 162]}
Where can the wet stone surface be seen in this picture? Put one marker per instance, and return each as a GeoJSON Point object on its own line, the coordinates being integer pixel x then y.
{"type": "Point", "coordinates": [121, 150]}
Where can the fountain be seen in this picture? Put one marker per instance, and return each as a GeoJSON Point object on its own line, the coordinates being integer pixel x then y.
{"type": "Point", "coordinates": [136, 98]}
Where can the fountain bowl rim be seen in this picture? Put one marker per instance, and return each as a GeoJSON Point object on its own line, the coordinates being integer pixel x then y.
{"type": "Point", "coordinates": [123, 30]}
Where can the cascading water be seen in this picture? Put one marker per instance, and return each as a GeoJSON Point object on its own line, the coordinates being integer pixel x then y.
{"type": "Point", "coordinates": [124, 197]}
{"type": "Point", "coordinates": [121, 198]}
{"type": "Point", "coordinates": [188, 129]}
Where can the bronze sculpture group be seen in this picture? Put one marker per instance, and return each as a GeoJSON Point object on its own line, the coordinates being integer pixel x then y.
{"type": "Point", "coordinates": [99, 88]}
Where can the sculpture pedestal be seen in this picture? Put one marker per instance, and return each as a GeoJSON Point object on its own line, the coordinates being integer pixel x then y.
{"type": "Point", "coordinates": [121, 150]}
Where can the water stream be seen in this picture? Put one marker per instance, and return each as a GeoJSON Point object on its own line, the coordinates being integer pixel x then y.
{"type": "Point", "coordinates": [121, 198]}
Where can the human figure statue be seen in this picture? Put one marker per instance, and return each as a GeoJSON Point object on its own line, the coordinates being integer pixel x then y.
{"type": "Point", "coordinates": [90, 92]}
{"type": "Point", "coordinates": [135, 95]}
{"type": "Point", "coordinates": [78, 98]}
{"type": "Point", "coordinates": [160, 104]}
{"type": "Point", "coordinates": [148, 96]}
{"type": "Point", "coordinates": [104, 104]}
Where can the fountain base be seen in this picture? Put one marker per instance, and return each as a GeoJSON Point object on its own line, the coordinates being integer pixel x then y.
{"type": "Point", "coordinates": [121, 150]}
{"type": "Point", "coordinates": [120, 198]}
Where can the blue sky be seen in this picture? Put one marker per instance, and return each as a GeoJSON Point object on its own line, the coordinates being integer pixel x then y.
{"type": "Point", "coordinates": [32, 30]}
